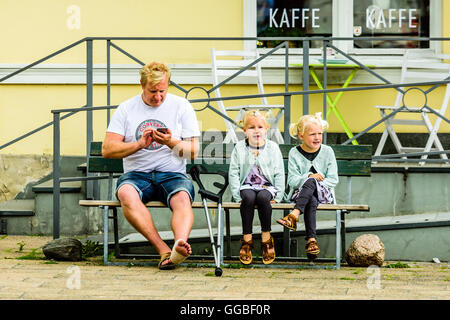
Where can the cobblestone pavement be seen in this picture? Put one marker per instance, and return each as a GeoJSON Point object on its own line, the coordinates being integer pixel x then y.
{"type": "Point", "coordinates": [24, 274]}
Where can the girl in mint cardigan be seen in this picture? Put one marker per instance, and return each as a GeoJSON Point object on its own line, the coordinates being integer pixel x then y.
{"type": "Point", "coordinates": [312, 176]}
{"type": "Point", "coordinates": [256, 176]}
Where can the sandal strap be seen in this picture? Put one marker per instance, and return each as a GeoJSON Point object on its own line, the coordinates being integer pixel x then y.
{"type": "Point", "coordinates": [291, 220]}
{"type": "Point", "coordinates": [246, 244]}
{"type": "Point", "coordinates": [311, 246]}
{"type": "Point", "coordinates": [266, 246]}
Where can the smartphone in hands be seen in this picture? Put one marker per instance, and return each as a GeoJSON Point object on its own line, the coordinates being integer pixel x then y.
{"type": "Point", "coordinates": [162, 130]}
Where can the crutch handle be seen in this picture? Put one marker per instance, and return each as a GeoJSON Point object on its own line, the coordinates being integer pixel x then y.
{"type": "Point", "coordinates": [195, 172]}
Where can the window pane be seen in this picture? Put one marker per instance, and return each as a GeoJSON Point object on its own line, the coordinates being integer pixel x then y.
{"type": "Point", "coordinates": [293, 18]}
{"type": "Point", "coordinates": [391, 18]}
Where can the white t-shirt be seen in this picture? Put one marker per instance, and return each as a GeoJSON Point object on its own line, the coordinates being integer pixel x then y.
{"type": "Point", "coordinates": [133, 116]}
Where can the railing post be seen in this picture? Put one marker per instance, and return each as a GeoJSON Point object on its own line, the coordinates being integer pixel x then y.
{"type": "Point", "coordinates": [56, 174]}
{"type": "Point", "coordinates": [287, 98]}
{"type": "Point", "coordinates": [108, 80]}
{"type": "Point", "coordinates": [89, 102]}
{"type": "Point", "coordinates": [324, 112]}
{"type": "Point", "coordinates": [305, 76]}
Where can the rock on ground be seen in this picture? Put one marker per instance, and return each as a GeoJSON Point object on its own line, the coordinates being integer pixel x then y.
{"type": "Point", "coordinates": [366, 250]}
{"type": "Point", "coordinates": [66, 249]}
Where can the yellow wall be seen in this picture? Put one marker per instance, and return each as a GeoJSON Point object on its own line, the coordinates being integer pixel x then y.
{"type": "Point", "coordinates": [25, 107]}
{"type": "Point", "coordinates": [445, 25]}
{"type": "Point", "coordinates": [37, 28]}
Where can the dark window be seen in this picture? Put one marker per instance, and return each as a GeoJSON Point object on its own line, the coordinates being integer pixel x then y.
{"type": "Point", "coordinates": [391, 18]}
{"type": "Point", "coordinates": [293, 18]}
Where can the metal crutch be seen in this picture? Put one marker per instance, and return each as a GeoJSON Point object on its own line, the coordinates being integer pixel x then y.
{"type": "Point", "coordinates": [195, 172]}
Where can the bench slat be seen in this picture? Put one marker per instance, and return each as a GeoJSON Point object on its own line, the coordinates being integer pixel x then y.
{"type": "Point", "coordinates": [96, 148]}
{"type": "Point", "coordinates": [227, 205]}
{"type": "Point", "coordinates": [354, 167]}
{"type": "Point", "coordinates": [341, 151]}
{"type": "Point", "coordinates": [345, 167]}
{"type": "Point", "coordinates": [219, 150]}
{"type": "Point", "coordinates": [99, 164]}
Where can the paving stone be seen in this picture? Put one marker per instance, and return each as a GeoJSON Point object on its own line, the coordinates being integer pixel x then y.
{"type": "Point", "coordinates": [33, 279]}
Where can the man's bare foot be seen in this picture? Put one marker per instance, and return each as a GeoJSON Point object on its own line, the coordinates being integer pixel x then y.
{"type": "Point", "coordinates": [180, 251]}
{"type": "Point", "coordinates": [182, 247]}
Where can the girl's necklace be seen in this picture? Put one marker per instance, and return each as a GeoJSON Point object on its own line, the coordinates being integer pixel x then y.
{"type": "Point", "coordinates": [255, 150]}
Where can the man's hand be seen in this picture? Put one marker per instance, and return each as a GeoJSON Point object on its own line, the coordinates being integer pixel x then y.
{"type": "Point", "coordinates": [162, 138]}
{"type": "Point", "coordinates": [147, 138]}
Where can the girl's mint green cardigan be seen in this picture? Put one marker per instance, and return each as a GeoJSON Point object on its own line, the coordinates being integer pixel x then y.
{"type": "Point", "coordinates": [270, 161]}
{"type": "Point", "coordinates": [298, 168]}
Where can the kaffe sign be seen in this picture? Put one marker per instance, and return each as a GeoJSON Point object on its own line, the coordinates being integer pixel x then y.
{"type": "Point", "coordinates": [297, 18]}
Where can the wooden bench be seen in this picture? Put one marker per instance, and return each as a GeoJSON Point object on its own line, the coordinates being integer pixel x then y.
{"type": "Point", "coordinates": [353, 160]}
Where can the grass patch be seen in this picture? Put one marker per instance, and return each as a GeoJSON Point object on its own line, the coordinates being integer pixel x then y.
{"type": "Point", "coordinates": [90, 249]}
{"type": "Point", "coordinates": [31, 256]}
{"type": "Point", "coordinates": [398, 265]}
{"type": "Point", "coordinates": [3, 236]}
{"type": "Point", "coordinates": [346, 278]}
{"type": "Point", "coordinates": [21, 245]}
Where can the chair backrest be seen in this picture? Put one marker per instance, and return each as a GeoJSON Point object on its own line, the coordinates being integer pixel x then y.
{"type": "Point", "coordinates": [420, 66]}
{"type": "Point", "coordinates": [226, 63]}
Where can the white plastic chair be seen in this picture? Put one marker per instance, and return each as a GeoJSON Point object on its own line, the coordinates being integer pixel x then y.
{"type": "Point", "coordinates": [417, 67]}
{"type": "Point", "coordinates": [223, 65]}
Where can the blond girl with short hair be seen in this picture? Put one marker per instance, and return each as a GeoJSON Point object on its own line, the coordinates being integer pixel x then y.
{"type": "Point", "coordinates": [256, 177]}
{"type": "Point", "coordinates": [312, 176]}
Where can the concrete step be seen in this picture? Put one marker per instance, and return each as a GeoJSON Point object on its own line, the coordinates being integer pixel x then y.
{"type": "Point", "coordinates": [17, 208]}
{"type": "Point", "coordinates": [65, 187]}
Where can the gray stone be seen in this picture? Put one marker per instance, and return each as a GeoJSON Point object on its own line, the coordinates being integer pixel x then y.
{"type": "Point", "coordinates": [67, 249]}
{"type": "Point", "coordinates": [365, 251]}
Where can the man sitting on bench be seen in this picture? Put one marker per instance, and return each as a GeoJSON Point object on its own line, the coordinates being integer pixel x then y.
{"type": "Point", "coordinates": [155, 132]}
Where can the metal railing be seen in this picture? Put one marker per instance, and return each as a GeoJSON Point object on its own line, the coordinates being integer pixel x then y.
{"type": "Point", "coordinates": [286, 94]}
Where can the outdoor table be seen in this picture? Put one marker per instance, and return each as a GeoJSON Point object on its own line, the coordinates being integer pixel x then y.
{"type": "Point", "coordinates": [333, 103]}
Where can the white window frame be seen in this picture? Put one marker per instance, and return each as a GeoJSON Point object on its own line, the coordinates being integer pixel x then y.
{"type": "Point", "coordinates": [344, 28]}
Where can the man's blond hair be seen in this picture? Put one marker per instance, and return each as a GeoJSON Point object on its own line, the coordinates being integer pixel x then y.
{"type": "Point", "coordinates": [154, 73]}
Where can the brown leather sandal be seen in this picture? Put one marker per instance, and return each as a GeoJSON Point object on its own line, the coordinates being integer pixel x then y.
{"type": "Point", "coordinates": [267, 257]}
{"type": "Point", "coordinates": [290, 222]}
{"type": "Point", "coordinates": [167, 266]}
{"type": "Point", "coordinates": [246, 256]}
{"type": "Point", "coordinates": [312, 248]}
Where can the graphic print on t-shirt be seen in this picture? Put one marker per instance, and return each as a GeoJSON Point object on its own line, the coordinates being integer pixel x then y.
{"type": "Point", "coordinates": [146, 124]}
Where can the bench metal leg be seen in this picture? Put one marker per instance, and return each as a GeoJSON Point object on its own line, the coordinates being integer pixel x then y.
{"type": "Point", "coordinates": [286, 238]}
{"type": "Point", "coordinates": [343, 245]}
{"type": "Point", "coordinates": [228, 232]}
{"type": "Point", "coordinates": [105, 234]}
{"type": "Point", "coordinates": [338, 239]}
{"type": "Point", "coordinates": [116, 234]}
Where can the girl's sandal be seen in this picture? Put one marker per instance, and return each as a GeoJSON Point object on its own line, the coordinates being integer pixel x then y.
{"type": "Point", "coordinates": [245, 253]}
{"type": "Point", "coordinates": [312, 249]}
{"type": "Point", "coordinates": [290, 222]}
{"type": "Point", "coordinates": [267, 257]}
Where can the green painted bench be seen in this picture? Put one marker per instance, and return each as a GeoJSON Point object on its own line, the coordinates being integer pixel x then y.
{"type": "Point", "coordinates": [352, 160]}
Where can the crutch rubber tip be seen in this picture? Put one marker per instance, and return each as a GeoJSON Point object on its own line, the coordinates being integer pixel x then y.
{"type": "Point", "coordinates": [218, 272]}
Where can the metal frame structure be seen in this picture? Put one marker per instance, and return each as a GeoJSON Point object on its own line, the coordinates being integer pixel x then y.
{"type": "Point", "coordinates": [287, 95]}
